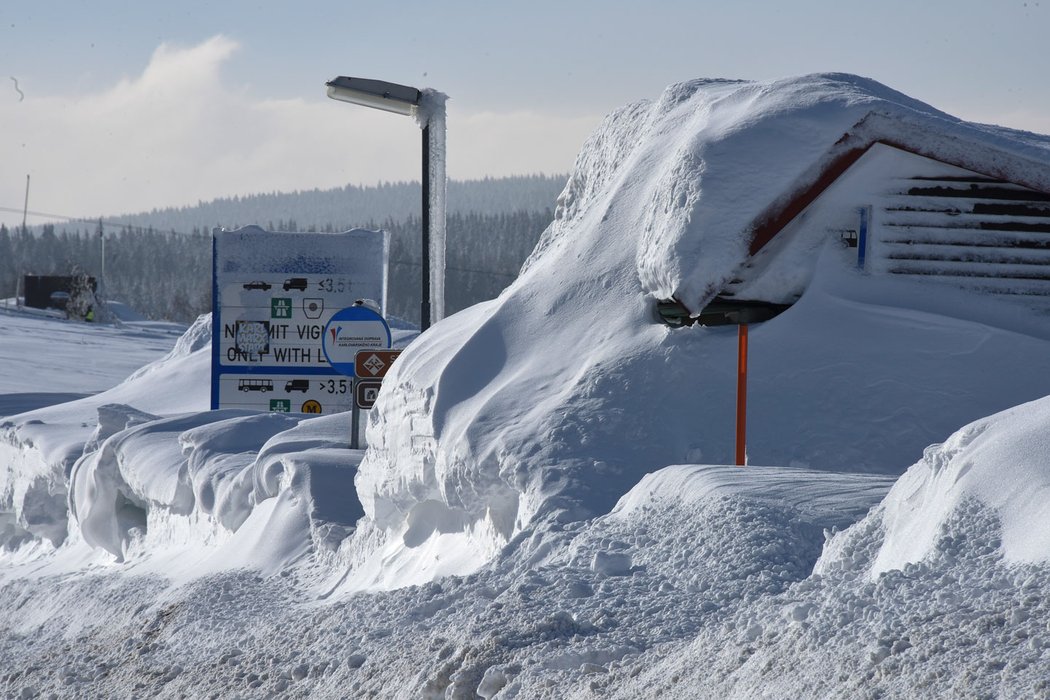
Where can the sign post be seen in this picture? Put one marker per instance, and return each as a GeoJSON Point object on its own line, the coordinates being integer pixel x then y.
{"type": "Point", "coordinates": [358, 338]}
{"type": "Point", "coordinates": [355, 423]}
{"type": "Point", "coordinates": [741, 395]}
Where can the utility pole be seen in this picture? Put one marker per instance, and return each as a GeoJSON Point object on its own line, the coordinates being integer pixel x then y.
{"type": "Point", "coordinates": [101, 310]}
{"type": "Point", "coordinates": [25, 207]}
{"type": "Point", "coordinates": [102, 237]}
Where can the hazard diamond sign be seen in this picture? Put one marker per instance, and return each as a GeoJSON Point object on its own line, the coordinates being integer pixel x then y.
{"type": "Point", "coordinates": [374, 364]}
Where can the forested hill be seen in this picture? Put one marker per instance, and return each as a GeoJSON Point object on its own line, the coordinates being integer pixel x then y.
{"type": "Point", "coordinates": [343, 208]}
{"type": "Point", "coordinates": [160, 262]}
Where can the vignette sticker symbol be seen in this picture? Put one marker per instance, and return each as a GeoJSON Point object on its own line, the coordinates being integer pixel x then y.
{"type": "Point", "coordinates": [313, 308]}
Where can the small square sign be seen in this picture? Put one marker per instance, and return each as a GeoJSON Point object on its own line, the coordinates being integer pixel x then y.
{"type": "Point", "coordinates": [374, 363]}
{"type": "Point", "coordinates": [366, 391]}
{"type": "Point", "coordinates": [281, 405]}
{"type": "Point", "coordinates": [280, 307]}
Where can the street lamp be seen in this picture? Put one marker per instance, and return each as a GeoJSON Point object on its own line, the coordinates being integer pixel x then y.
{"type": "Point", "coordinates": [428, 108]}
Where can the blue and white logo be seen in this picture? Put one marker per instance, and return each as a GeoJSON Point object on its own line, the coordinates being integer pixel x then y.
{"type": "Point", "coordinates": [351, 329]}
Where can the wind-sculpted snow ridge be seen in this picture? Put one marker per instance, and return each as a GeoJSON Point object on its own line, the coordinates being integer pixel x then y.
{"type": "Point", "coordinates": [140, 469]}
{"type": "Point", "coordinates": [39, 448]}
{"type": "Point", "coordinates": [554, 399]}
{"type": "Point", "coordinates": [193, 480]}
{"type": "Point", "coordinates": [996, 465]}
{"type": "Point", "coordinates": [115, 489]}
{"type": "Point", "coordinates": [937, 592]}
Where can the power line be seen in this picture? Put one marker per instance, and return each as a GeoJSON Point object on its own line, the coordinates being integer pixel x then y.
{"type": "Point", "coordinates": [493, 273]}
{"type": "Point", "coordinates": [81, 220]}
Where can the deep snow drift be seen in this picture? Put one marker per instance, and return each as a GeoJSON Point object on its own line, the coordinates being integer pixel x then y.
{"type": "Point", "coordinates": [540, 511]}
{"type": "Point", "coordinates": [562, 393]}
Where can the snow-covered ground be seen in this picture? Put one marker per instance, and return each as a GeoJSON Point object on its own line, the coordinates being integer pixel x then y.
{"type": "Point", "coordinates": [543, 508]}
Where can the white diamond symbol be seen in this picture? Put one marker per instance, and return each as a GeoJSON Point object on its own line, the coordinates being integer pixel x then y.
{"type": "Point", "coordinates": [374, 364]}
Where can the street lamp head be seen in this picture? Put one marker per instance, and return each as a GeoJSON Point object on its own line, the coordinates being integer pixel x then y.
{"type": "Point", "coordinates": [429, 112]}
{"type": "Point", "coordinates": [378, 94]}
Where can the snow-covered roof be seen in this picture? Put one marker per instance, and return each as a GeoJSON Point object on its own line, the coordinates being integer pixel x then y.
{"type": "Point", "coordinates": [727, 163]}
{"type": "Point", "coordinates": [1019, 157]}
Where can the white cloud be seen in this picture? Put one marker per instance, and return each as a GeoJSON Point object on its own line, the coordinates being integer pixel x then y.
{"type": "Point", "coordinates": [178, 133]}
{"type": "Point", "coordinates": [514, 143]}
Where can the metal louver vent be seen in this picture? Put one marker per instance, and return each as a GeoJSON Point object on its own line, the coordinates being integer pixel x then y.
{"type": "Point", "coordinates": [979, 232]}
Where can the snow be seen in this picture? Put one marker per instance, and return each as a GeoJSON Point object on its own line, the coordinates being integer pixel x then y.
{"type": "Point", "coordinates": [576, 332]}
{"type": "Point", "coordinates": [995, 464]}
{"type": "Point", "coordinates": [544, 507]}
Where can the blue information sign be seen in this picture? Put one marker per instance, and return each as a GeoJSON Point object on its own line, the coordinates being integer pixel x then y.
{"type": "Point", "coordinates": [351, 329]}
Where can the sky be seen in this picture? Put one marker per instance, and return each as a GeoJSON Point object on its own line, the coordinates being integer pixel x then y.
{"type": "Point", "coordinates": [114, 107]}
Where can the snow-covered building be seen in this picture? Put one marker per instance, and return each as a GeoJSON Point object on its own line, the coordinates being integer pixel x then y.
{"type": "Point", "coordinates": [715, 192]}
{"type": "Point", "coordinates": [931, 198]}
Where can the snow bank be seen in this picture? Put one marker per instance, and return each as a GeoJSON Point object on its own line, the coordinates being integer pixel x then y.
{"type": "Point", "coordinates": [144, 467]}
{"type": "Point", "coordinates": [553, 400]}
{"type": "Point", "coordinates": [213, 470]}
{"type": "Point", "coordinates": [38, 448]}
{"type": "Point", "coordinates": [936, 592]}
{"type": "Point", "coordinates": [997, 464]}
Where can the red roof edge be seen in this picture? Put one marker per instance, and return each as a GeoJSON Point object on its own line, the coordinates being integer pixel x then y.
{"type": "Point", "coordinates": [777, 216]}
{"type": "Point", "coordinates": [775, 220]}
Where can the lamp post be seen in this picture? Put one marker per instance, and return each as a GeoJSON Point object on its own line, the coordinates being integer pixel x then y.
{"type": "Point", "coordinates": [428, 107]}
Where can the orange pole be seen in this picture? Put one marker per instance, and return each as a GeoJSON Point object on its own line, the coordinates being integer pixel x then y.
{"type": "Point", "coordinates": [741, 395]}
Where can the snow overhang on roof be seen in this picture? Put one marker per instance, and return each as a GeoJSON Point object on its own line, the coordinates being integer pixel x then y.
{"type": "Point", "coordinates": [716, 169]}
{"type": "Point", "coordinates": [683, 190]}
{"type": "Point", "coordinates": [987, 153]}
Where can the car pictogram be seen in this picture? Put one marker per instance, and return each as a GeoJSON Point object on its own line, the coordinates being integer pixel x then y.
{"type": "Point", "coordinates": [257, 284]}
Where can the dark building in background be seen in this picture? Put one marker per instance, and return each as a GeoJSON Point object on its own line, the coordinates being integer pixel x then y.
{"type": "Point", "coordinates": [53, 291]}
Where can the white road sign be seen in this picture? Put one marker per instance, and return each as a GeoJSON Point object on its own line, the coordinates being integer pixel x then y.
{"type": "Point", "coordinates": [273, 295]}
